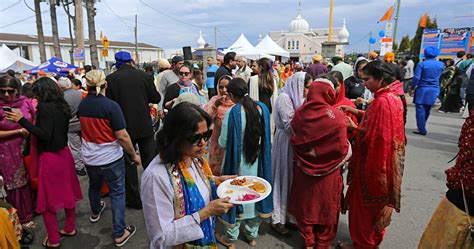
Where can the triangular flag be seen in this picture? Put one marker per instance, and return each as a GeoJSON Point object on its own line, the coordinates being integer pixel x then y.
{"type": "Point", "coordinates": [388, 14]}
{"type": "Point", "coordinates": [424, 20]}
{"type": "Point", "coordinates": [101, 35]}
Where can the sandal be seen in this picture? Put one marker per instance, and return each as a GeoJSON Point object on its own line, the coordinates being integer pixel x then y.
{"type": "Point", "coordinates": [30, 225]}
{"type": "Point", "coordinates": [223, 240]}
{"type": "Point", "coordinates": [344, 245]}
{"type": "Point", "coordinates": [63, 233]}
{"type": "Point", "coordinates": [131, 229]}
{"type": "Point", "coordinates": [46, 244]}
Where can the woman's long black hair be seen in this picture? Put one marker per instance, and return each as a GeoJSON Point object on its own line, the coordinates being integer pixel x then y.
{"type": "Point", "coordinates": [47, 91]}
{"type": "Point", "coordinates": [265, 77]}
{"type": "Point", "coordinates": [254, 130]}
{"type": "Point", "coordinates": [179, 125]}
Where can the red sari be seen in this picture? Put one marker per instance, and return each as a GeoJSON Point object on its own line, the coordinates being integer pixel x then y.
{"type": "Point", "coordinates": [375, 171]}
{"type": "Point", "coordinates": [320, 146]}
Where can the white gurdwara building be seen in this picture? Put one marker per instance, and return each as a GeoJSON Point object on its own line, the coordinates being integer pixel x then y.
{"type": "Point", "coordinates": [302, 41]}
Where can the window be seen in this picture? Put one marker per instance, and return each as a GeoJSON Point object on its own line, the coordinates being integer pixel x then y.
{"type": "Point", "coordinates": [289, 45]}
{"type": "Point", "coordinates": [297, 44]}
{"type": "Point", "coordinates": [292, 44]}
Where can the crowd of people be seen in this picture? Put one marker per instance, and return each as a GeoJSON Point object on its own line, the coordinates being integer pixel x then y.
{"type": "Point", "coordinates": [298, 127]}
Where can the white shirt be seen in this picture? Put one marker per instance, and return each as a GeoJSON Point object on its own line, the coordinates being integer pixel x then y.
{"type": "Point", "coordinates": [157, 197]}
{"type": "Point", "coordinates": [409, 68]}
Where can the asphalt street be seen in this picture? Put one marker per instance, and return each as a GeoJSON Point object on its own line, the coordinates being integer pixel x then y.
{"type": "Point", "coordinates": [423, 187]}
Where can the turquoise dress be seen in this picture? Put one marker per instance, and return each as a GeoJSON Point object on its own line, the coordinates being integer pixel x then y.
{"type": "Point", "coordinates": [245, 168]}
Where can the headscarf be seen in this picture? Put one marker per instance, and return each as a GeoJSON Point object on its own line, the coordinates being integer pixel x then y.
{"type": "Point", "coordinates": [294, 88]}
{"type": "Point", "coordinates": [431, 52]}
{"type": "Point", "coordinates": [95, 78]}
{"type": "Point", "coordinates": [360, 59]}
{"type": "Point", "coordinates": [121, 58]}
{"type": "Point", "coordinates": [317, 57]}
{"type": "Point", "coordinates": [226, 105]}
{"type": "Point", "coordinates": [320, 131]}
{"type": "Point", "coordinates": [389, 57]}
{"type": "Point", "coordinates": [187, 97]}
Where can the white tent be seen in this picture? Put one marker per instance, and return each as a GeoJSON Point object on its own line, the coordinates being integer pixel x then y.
{"type": "Point", "coordinates": [267, 45]}
{"type": "Point", "coordinates": [243, 48]}
{"type": "Point", "coordinates": [11, 60]}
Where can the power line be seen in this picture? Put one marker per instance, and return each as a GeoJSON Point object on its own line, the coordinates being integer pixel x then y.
{"type": "Point", "coordinates": [22, 20]}
{"type": "Point", "coordinates": [115, 14]}
{"type": "Point", "coordinates": [172, 17]}
{"type": "Point", "coordinates": [227, 38]}
{"type": "Point", "coordinates": [10, 6]}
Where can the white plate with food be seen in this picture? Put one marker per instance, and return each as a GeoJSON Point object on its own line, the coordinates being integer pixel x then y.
{"type": "Point", "coordinates": [244, 189]}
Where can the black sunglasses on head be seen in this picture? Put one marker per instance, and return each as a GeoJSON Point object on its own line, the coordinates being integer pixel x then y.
{"type": "Point", "coordinates": [197, 138]}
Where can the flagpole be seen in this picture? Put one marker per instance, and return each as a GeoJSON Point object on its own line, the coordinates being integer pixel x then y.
{"type": "Point", "coordinates": [396, 22]}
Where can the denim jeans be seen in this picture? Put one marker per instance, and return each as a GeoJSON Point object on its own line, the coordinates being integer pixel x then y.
{"type": "Point", "coordinates": [114, 175]}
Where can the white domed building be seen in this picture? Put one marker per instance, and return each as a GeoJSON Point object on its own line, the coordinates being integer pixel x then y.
{"type": "Point", "coordinates": [302, 41]}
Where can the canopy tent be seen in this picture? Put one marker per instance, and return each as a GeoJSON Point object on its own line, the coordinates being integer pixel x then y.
{"type": "Point", "coordinates": [53, 65]}
{"type": "Point", "coordinates": [267, 45]}
{"type": "Point", "coordinates": [11, 60]}
{"type": "Point", "coordinates": [243, 48]}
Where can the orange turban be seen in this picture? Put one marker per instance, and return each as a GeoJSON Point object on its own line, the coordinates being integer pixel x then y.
{"type": "Point", "coordinates": [389, 57]}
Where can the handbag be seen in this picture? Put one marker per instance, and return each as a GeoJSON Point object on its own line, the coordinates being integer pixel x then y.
{"type": "Point", "coordinates": [471, 226]}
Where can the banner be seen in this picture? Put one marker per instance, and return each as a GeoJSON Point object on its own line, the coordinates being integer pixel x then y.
{"type": "Point", "coordinates": [453, 41]}
{"type": "Point", "coordinates": [430, 38]}
{"type": "Point", "coordinates": [471, 42]}
{"type": "Point", "coordinates": [386, 45]}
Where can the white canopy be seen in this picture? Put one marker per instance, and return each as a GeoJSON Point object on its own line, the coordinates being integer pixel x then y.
{"type": "Point", "coordinates": [267, 45]}
{"type": "Point", "coordinates": [11, 60]}
{"type": "Point", "coordinates": [243, 48]}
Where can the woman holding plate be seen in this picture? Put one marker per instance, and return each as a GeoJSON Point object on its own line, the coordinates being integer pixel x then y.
{"type": "Point", "coordinates": [178, 189]}
{"type": "Point", "coordinates": [245, 136]}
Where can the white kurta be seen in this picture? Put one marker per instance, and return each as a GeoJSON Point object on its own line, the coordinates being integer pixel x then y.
{"type": "Point", "coordinates": [157, 198]}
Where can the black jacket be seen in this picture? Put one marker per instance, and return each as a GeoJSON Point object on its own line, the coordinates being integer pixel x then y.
{"type": "Point", "coordinates": [133, 90]}
{"type": "Point", "coordinates": [51, 127]}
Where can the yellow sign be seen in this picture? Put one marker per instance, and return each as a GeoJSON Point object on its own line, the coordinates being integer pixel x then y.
{"type": "Point", "coordinates": [105, 52]}
{"type": "Point", "coordinates": [105, 42]}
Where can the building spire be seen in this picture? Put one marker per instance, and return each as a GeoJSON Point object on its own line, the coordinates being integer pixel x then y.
{"type": "Point", "coordinates": [299, 7]}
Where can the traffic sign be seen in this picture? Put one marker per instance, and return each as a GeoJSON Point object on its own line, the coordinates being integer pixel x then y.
{"type": "Point", "coordinates": [105, 52]}
{"type": "Point", "coordinates": [105, 42]}
{"type": "Point", "coordinates": [78, 54]}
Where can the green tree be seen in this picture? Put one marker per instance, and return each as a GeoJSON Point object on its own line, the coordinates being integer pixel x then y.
{"type": "Point", "coordinates": [416, 41]}
{"type": "Point", "coordinates": [404, 44]}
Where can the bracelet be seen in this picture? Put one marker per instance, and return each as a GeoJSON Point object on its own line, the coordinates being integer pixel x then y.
{"type": "Point", "coordinates": [21, 131]}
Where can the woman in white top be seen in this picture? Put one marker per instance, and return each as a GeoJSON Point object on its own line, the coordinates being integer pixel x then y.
{"type": "Point", "coordinates": [178, 189]}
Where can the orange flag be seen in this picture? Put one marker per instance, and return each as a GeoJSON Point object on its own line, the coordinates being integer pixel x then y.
{"type": "Point", "coordinates": [424, 20]}
{"type": "Point", "coordinates": [388, 14]}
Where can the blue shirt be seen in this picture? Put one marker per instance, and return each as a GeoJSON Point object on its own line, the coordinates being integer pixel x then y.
{"type": "Point", "coordinates": [426, 81]}
{"type": "Point", "coordinates": [211, 71]}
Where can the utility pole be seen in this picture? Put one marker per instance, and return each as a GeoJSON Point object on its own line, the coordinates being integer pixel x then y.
{"type": "Point", "coordinates": [91, 27]}
{"type": "Point", "coordinates": [79, 28]}
{"type": "Point", "coordinates": [70, 18]}
{"type": "Point", "coordinates": [39, 30]}
{"type": "Point", "coordinates": [54, 29]}
{"type": "Point", "coordinates": [396, 22]}
{"type": "Point", "coordinates": [215, 38]}
{"type": "Point", "coordinates": [370, 36]}
{"type": "Point", "coordinates": [331, 13]}
{"type": "Point", "coordinates": [137, 62]}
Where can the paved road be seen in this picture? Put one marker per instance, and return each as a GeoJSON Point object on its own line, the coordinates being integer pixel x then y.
{"type": "Point", "coordinates": [423, 187]}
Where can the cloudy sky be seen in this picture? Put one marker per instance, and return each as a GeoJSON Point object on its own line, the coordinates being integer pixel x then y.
{"type": "Point", "coordinates": [176, 23]}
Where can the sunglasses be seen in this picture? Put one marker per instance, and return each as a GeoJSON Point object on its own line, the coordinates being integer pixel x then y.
{"type": "Point", "coordinates": [184, 73]}
{"type": "Point", "coordinates": [10, 92]}
{"type": "Point", "coordinates": [197, 138]}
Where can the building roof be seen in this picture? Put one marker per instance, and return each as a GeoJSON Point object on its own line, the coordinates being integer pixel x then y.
{"type": "Point", "coordinates": [32, 39]}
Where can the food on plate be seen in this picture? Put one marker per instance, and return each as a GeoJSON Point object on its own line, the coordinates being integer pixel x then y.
{"type": "Point", "coordinates": [239, 182]}
{"type": "Point", "coordinates": [259, 187]}
{"type": "Point", "coordinates": [248, 197]}
{"type": "Point", "coordinates": [229, 191]}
